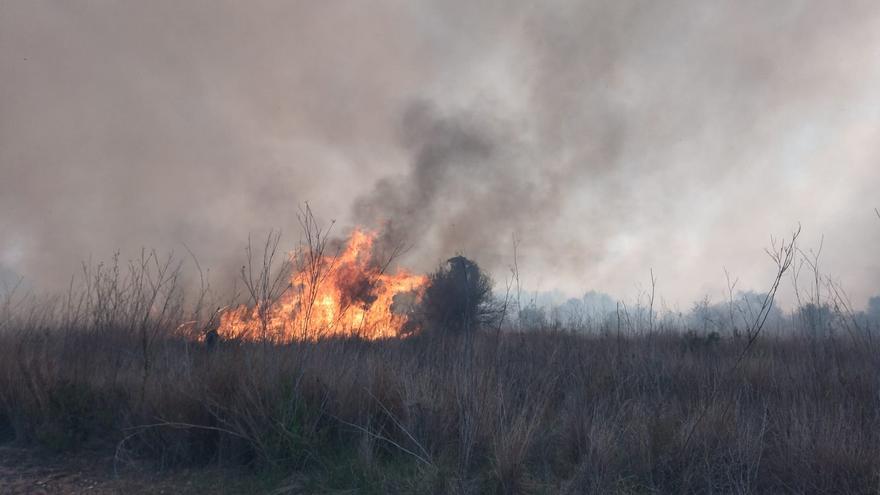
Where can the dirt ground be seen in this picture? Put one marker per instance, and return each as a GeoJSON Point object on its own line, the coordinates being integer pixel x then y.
{"type": "Point", "coordinates": [27, 471]}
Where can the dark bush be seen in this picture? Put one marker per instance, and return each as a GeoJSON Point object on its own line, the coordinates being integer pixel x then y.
{"type": "Point", "coordinates": [7, 430]}
{"type": "Point", "coordinates": [694, 341]}
{"type": "Point", "coordinates": [77, 412]}
{"type": "Point", "coordinates": [458, 297]}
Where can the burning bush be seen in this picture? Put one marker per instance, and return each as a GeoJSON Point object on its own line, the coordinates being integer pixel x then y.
{"type": "Point", "coordinates": [328, 295]}
{"type": "Point", "coordinates": [458, 297]}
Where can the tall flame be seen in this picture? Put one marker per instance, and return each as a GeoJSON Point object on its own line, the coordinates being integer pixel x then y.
{"type": "Point", "coordinates": [342, 295]}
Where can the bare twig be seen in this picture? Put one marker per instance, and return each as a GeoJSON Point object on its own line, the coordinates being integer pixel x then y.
{"type": "Point", "coordinates": [783, 255]}
{"type": "Point", "coordinates": [386, 439]}
{"type": "Point", "coordinates": [730, 288]}
{"type": "Point", "coordinates": [402, 428]}
{"type": "Point", "coordinates": [185, 426]}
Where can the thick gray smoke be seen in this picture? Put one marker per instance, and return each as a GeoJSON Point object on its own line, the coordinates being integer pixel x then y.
{"type": "Point", "coordinates": [470, 185]}
{"type": "Point", "coordinates": [610, 137]}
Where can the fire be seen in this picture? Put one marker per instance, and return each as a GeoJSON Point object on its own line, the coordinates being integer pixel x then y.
{"type": "Point", "coordinates": [340, 295]}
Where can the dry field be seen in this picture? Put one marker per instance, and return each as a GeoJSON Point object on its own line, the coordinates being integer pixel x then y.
{"type": "Point", "coordinates": [505, 412]}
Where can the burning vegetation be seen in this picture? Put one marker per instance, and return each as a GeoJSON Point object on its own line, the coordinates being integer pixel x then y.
{"type": "Point", "coordinates": [349, 293]}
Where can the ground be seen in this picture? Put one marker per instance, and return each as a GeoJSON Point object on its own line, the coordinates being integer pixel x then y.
{"type": "Point", "coordinates": [33, 472]}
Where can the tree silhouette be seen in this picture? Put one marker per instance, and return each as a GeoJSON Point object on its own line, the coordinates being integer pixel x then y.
{"type": "Point", "coordinates": [458, 297]}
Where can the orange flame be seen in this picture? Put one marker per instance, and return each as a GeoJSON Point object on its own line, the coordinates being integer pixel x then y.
{"type": "Point", "coordinates": [340, 295]}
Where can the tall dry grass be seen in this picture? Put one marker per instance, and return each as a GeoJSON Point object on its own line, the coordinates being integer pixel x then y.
{"type": "Point", "coordinates": [524, 412]}
{"type": "Point", "coordinates": [118, 367]}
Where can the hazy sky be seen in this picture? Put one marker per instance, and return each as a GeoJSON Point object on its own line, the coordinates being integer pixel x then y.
{"type": "Point", "coordinates": [611, 137]}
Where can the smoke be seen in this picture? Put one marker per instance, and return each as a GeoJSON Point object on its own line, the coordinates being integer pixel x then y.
{"type": "Point", "coordinates": [469, 186]}
{"type": "Point", "coordinates": [609, 137]}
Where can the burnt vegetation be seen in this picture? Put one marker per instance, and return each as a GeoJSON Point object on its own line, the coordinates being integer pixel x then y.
{"type": "Point", "coordinates": [626, 402]}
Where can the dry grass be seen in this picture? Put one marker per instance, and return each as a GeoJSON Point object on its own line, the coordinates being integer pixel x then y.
{"type": "Point", "coordinates": [117, 368]}
{"type": "Point", "coordinates": [505, 412]}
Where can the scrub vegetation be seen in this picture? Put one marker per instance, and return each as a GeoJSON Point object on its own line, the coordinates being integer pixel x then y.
{"type": "Point", "coordinates": [630, 403]}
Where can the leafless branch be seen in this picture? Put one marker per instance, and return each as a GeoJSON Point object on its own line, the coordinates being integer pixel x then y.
{"type": "Point", "coordinates": [783, 255]}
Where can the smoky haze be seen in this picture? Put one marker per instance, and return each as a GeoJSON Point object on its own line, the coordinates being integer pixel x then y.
{"type": "Point", "coordinates": [610, 137]}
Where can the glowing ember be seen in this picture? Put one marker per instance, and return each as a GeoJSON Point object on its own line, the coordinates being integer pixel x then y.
{"type": "Point", "coordinates": [342, 295]}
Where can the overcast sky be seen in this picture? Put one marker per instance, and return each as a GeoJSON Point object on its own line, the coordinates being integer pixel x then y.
{"type": "Point", "coordinates": [611, 137]}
